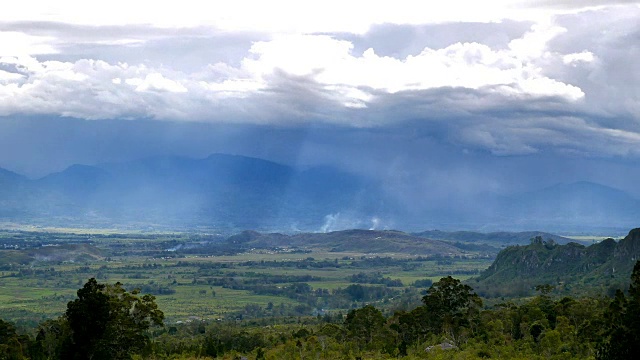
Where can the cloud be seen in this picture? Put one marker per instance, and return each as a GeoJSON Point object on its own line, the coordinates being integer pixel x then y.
{"type": "Point", "coordinates": [510, 87]}
{"type": "Point", "coordinates": [576, 58]}
{"type": "Point", "coordinates": [18, 43]}
{"type": "Point", "coordinates": [338, 76]}
{"type": "Point", "coordinates": [466, 65]}
{"type": "Point", "coordinates": [277, 16]}
{"type": "Point", "coordinates": [611, 36]}
{"type": "Point", "coordinates": [154, 82]}
{"type": "Point", "coordinates": [576, 5]}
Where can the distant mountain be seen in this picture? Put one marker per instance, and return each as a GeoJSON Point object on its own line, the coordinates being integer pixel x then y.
{"type": "Point", "coordinates": [9, 183]}
{"type": "Point", "coordinates": [570, 268]}
{"type": "Point", "coordinates": [13, 192]}
{"type": "Point", "coordinates": [236, 193]}
{"type": "Point", "coordinates": [222, 191]}
{"type": "Point", "coordinates": [78, 182]}
{"type": "Point", "coordinates": [361, 241]}
{"type": "Point", "coordinates": [580, 207]}
{"type": "Point", "coordinates": [571, 206]}
{"type": "Point", "coordinates": [493, 238]}
{"type": "Point", "coordinates": [7, 177]}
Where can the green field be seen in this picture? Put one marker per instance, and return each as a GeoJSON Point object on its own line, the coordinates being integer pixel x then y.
{"type": "Point", "coordinates": [203, 284]}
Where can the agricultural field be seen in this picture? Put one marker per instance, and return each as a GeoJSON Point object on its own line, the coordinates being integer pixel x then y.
{"type": "Point", "coordinates": [203, 276]}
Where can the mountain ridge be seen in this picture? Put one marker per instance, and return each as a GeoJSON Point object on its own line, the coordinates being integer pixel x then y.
{"type": "Point", "coordinates": [229, 191]}
{"type": "Point", "coordinates": [353, 240]}
{"type": "Point", "coordinates": [496, 237]}
{"type": "Point", "coordinates": [236, 192]}
{"type": "Point", "coordinates": [600, 267]}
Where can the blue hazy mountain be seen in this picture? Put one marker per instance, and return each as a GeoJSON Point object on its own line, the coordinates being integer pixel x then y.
{"type": "Point", "coordinates": [571, 206]}
{"type": "Point", "coordinates": [236, 192]}
{"type": "Point", "coordinates": [219, 191]}
{"type": "Point", "coordinates": [13, 190]}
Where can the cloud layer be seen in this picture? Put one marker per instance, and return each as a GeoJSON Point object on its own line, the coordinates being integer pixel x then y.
{"type": "Point", "coordinates": [562, 80]}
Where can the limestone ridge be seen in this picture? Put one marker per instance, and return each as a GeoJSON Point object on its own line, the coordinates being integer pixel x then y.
{"type": "Point", "coordinates": [517, 269]}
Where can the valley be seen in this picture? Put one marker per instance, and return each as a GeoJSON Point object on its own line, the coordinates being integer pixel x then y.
{"type": "Point", "coordinates": [261, 293]}
{"type": "Point", "coordinates": [246, 275]}
{"type": "Point", "coordinates": [259, 275]}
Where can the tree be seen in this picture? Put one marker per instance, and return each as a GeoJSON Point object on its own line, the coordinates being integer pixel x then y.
{"type": "Point", "coordinates": [107, 322]}
{"type": "Point", "coordinates": [53, 337]}
{"type": "Point", "coordinates": [364, 325]}
{"type": "Point", "coordinates": [453, 307]}
{"type": "Point", "coordinates": [412, 326]}
{"type": "Point", "coordinates": [11, 344]}
{"type": "Point", "coordinates": [622, 336]}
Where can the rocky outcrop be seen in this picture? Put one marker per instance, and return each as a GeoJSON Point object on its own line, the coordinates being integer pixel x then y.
{"type": "Point", "coordinates": [606, 263]}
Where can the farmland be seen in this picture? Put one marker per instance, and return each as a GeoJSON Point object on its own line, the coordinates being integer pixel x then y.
{"type": "Point", "coordinates": [203, 276]}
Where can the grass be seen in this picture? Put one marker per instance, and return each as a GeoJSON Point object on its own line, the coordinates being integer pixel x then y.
{"type": "Point", "coordinates": [42, 289]}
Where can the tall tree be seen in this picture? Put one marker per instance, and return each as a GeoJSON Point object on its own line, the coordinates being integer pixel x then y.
{"type": "Point", "coordinates": [11, 344]}
{"type": "Point", "coordinates": [365, 325]}
{"type": "Point", "coordinates": [622, 336]}
{"type": "Point", "coordinates": [107, 322]}
{"type": "Point", "coordinates": [453, 308]}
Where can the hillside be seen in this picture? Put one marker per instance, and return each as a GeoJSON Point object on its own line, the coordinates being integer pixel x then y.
{"type": "Point", "coordinates": [601, 267]}
{"type": "Point", "coordinates": [493, 238]}
{"type": "Point", "coordinates": [361, 241]}
{"type": "Point", "coordinates": [57, 253]}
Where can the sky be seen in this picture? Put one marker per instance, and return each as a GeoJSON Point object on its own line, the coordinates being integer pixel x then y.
{"type": "Point", "coordinates": [444, 100]}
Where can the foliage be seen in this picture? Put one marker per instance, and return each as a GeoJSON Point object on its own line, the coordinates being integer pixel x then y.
{"type": "Point", "coordinates": [622, 335]}
{"type": "Point", "coordinates": [453, 308]}
{"type": "Point", "coordinates": [449, 325]}
{"type": "Point", "coordinates": [602, 266]}
{"type": "Point", "coordinates": [365, 325]}
{"type": "Point", "coordinates": [11, 344]}
{"type": "Point", "coordinates": [107, 322]}
{"type": "Point", "coordinates": [292, 322]}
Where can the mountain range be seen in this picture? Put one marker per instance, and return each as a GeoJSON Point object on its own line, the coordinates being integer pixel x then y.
{"type": "Point", "coordinates": [220, 191]}
{"type": "Point", "coordinates": [497, 239]}
{"type": "Point", "coordinates": [236, 193]}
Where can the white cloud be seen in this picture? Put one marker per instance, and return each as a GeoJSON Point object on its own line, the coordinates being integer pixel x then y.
{"type": "Point", "coordinates": [582, 64]}
{"type": "Point", "coordinates": [20, 44]}
{"type": "Point", "coordinates": [339, 79]}
{"type": "Point", "coordinates": [156, 82]}
{"type": "Point", "coordinates": [10, 77]}
{"type": "Point", "coordinates": [533, 45]}
{"type": "Point", "coordinates": [276, 16]}
{"type": "Point", "coordinates": [233, 88]}
{"type": "Point", "coordinates": [469, 65]}
{"type": "Point", "coordinates": [581, 57]}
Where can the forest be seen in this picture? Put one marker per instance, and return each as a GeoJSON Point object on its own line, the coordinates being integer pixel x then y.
{"type": "Point", "coordinates": [107, 322]}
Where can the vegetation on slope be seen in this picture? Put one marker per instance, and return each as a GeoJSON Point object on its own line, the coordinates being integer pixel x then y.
{"type": "Point", "coordinates": [366, 241]}
{"type": "Point", "coordinates": [601, 267]}
{"type": "Point", "coordinates": [106, 322]}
